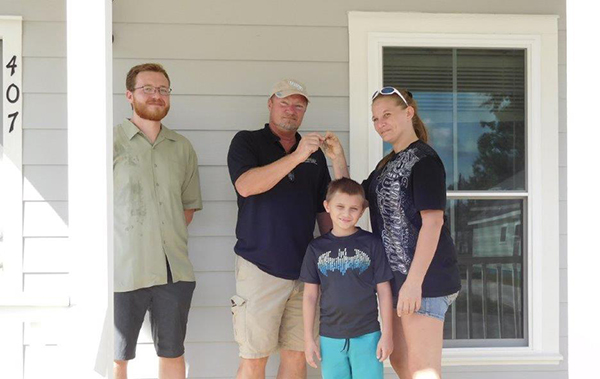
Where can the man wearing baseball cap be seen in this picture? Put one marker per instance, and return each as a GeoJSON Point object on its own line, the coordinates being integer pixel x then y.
{"type": "Point", "coordinates": [280, 179]}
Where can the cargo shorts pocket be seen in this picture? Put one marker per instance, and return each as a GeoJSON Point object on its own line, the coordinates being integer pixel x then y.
{"type": "Point", "coordinates": [238, 310]}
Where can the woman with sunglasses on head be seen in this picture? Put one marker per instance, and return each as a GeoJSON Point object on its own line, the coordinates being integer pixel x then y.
{"type": "Point", "coordinates": [407, 199]}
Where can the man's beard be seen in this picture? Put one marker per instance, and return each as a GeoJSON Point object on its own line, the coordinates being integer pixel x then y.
{"type": "Point", "coordinates": [288, 125]}
{"type": "Point", "coordinates": [143, 110]}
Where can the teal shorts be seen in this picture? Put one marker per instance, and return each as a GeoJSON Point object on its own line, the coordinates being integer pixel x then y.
{"type": "Point", "coordinates": [356, 357]}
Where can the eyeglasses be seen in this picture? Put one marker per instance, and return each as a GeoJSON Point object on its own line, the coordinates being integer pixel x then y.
{"type": "Point", "coordinates": [151, 90]}
{"type": "Point", "coordinates": [388, 91]}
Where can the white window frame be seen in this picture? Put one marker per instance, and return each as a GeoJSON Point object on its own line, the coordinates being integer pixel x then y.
{"type": "Point", "coordinates": [369, 32]}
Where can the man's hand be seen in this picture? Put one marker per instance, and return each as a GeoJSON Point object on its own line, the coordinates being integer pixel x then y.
{"type": "Point", "coordinates": [409, 298]}
{"type": "Point", "coordinates": [189, 215]}
{"type": "Point", "coordinates": [332, 146]}
{"type": "Point", "coordinates": [310, 350]}
{"type": "Point", "coordinates": [334, 151]}
{"type": "Point", "coordinates": [308, 145]}
{"type": "Point", "coordinates": [385, 346]}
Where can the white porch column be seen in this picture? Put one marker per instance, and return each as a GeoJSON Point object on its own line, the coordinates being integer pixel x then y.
{"type": "Point", "coordinates": [89, 66]}
{"type": "Point", "coordinates": [583, 86]}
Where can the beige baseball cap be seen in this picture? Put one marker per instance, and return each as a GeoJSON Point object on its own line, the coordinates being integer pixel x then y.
{"type": "Point", "coordinates": [287, 87]}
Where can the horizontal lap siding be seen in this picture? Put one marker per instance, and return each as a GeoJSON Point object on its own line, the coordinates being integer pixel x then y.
{"type": "Point", "coordinates": [222, 58]}
{"type": "Point", "coordinates": [254, 78]}
{"type": "Point", "coordinates": [45, 195]}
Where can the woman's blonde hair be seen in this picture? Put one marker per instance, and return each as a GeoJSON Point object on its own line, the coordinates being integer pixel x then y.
{"type": "Point", "coordinates": [418, 125]}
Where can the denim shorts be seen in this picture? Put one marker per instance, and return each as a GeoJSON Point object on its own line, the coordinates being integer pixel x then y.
{"type": "Point", "coordinates": [436, 307]}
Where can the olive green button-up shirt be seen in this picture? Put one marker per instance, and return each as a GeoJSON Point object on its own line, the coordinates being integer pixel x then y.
{"type": "Point", "coordinates": [153, 184]}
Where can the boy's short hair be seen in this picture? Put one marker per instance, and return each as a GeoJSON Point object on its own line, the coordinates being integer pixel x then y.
{"type": "Point", "coordinates": [347, 186]}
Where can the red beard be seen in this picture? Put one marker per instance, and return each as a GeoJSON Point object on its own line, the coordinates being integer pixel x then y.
{"type": "Point", "coordinates": [153, 114]}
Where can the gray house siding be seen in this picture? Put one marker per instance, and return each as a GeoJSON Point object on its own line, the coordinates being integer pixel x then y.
{"type": "Point", "coordinates": [222, 57]}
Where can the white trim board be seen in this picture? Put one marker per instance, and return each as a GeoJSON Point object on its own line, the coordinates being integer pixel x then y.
{"type": "Point", "coordinates": [538, 35]}
{"type": "Point", "coordinates": [89, 340]}
{"type": "Point", "coordinates": [11, 177]}
{"type": "Point", "coordinates": [11, 171]}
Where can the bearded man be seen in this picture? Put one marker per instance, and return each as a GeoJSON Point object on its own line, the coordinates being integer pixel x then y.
{"type": "Point", "coordinates": [156, 192]}
{"type": "Point", "coordinates": [281, 180]}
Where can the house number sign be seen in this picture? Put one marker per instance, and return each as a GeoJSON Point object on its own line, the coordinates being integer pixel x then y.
{"type": "Point", "coordinates": [13, 92]}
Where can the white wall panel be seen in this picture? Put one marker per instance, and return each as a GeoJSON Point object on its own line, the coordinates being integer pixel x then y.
{"type": "Point", "coordinates": [44, 147]}
{"type": "Point", "coordinates": [562, 210]}
{"type": "Point", "coordinates": [563, 296]}
{"type": "Point", "coordinates": [230, 42]}
{"type": "Point", "coordinates": [45, 219]}
{"type": "Point", "coordinates": [562, 115]}
{"type": "Point", "coordinates": [215, 184]}
{"type": "Point", "coordinates": [42, 10]}
{"type": "Point", "coordinates": [234, 77]}
{"type": "Point", "coordinates": [43, 362]}
{"type": "Point", "coordinates": [212, 253]}
{"type": "Point", "coordinates": [562, 189]}
{"type": "Point", "coordinates": [313, 12]}
{"type": "Point", "coordinates": [217, 218]}
{"type": "Point", "coordinates": [46, 255]}
{"type": "Point", "coordinates": [45, 183]}
{"type": "Point", "coordinates": [562, 147]}
{"type": "Point", "coordinates": [563, 240]}
{"type": "Point", "coordinates": [44, 39]}
{"type": "Point", "coordinates": [44, 111]}
{"type": "Point", "coordinates": [562, 81]}
{"type": "Point", "coordinates": [50, 284]}
{"type": "Point", "coordinates": [213, 289]}
{"type": "Point", "coordinates": [44, 75]}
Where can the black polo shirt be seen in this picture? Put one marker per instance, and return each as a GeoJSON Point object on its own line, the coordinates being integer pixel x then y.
{"type": "Point", "coordinates": [274, 228]}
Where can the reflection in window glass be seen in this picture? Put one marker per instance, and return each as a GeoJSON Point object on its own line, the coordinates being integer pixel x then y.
{"type": "Point", "coordinates": [490, 306]}
{"type": "Point", "coordinates": [491, 119]}
{"type": "Point", "coordinates": [473, 102]}
{"type": "Point", "coordinates": [428, 74]}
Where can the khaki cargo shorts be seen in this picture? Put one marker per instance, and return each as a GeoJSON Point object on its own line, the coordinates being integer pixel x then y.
{"type": "Point", "coordinates": [267, 312]}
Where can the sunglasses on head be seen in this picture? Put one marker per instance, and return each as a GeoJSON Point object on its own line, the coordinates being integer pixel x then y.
{"type": "Point", "coordinates": [389, 91]}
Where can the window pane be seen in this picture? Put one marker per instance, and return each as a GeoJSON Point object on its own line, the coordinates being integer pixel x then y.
{"type": "Point", "coordinates": [489, 241]}
{"type": "Point", "coordinates": [473, 103]}
{"type": "Point", "coordinates": [427, 73]}
{"type": "Point", "coordinates": [491, 119]}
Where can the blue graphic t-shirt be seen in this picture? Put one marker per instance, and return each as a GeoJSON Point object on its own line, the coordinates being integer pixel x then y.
{"type": "Point", "coordinates": [348, 270]}
{"type": "Point", "coordinates": [413, 180]}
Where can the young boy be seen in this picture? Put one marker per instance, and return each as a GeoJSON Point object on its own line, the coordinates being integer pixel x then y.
{"type": "Point", "coordinates": [351, 269]}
